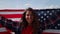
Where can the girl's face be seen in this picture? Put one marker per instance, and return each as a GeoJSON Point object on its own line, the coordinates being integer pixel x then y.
{"type": "Point", "coordinates": [29, 16]}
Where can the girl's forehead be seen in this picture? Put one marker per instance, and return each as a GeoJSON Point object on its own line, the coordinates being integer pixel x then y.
{"type": "Point", "coordinates": [28, 12]}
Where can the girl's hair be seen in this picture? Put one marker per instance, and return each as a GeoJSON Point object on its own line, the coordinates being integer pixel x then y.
{"type": "Point", "coordinates": [25, 23]}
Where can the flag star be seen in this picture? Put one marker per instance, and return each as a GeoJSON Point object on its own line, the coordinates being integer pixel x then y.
{"type": "Point", "coordinates": [58, 24]}
{"type": "Point", "coordinates": [45, 14]}
{"type": "Point", "coordinates": [39, 14]}
{"type": "Point", "coordinates": [5, 21]}
{"type": "Point", "coordinates": [47, 11]}
{"type": "Point", "coordinates": [53, 11]}
{"type": "Point", "coordinates": [41, 20]}
{"type": "Point", "coordinates": [50, 13]}
{"type": "Point", "coordinates": [58, 10]}
{"type": "Point", "coordinates": [55, 27]}
{"type": "Point", "coordinates": [42, 17]}
{"type": "Point", "coordinates": [42, 12]}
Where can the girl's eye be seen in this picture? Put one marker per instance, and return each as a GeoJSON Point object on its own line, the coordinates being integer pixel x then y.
{"type": "Point", "coordinates": [27, 14]}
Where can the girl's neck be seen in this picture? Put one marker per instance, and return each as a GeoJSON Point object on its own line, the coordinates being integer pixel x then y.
{"type": "Point", "coordinates": [29, 24]}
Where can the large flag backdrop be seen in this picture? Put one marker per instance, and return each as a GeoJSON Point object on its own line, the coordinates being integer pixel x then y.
{"type": "Point", "coordinates": [42, 15]}
{"type": "Point", "coordinates": [47, 16]}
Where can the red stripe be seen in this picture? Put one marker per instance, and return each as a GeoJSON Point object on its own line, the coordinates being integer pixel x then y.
{"type": "Point", "coordinates": [12, 10]}
{"type": "Point", "coordinates": [12, 15]}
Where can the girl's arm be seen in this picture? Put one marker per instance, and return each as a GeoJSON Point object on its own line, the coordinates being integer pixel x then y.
{"type": "Point", "coordinates": [9, 24]}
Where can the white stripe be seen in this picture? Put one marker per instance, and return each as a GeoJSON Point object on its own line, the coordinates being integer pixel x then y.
{"type": "Point", "coordinates": [3, 29]}
{"type": "Point", "coordinates": [51, 31]}
{"type": "Point", "coordinates": [12, 32]}
{"type": "Point", "coordinates": [15, 19]}
{"type": "Point", "coordinates": [11, 12]}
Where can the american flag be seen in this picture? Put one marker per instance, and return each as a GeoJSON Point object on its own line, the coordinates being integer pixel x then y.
{"type": "Point", "coordinates": [48, 16]}
{"type": "Point", "coordinates": [14, 15]}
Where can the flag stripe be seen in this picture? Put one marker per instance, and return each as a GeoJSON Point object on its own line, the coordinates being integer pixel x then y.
{"type": "Point", "coordinates": [11, 12]}
{"type": "Point", "coordinates": [12, 15]}
{"type": "Point", "coordinates": [14, 19]}
{"type": "Point", "coordinates": [51, 31]}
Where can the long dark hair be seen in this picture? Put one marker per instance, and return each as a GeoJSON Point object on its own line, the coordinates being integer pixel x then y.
{"type": "Point", "coordinates": [35, 24]}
